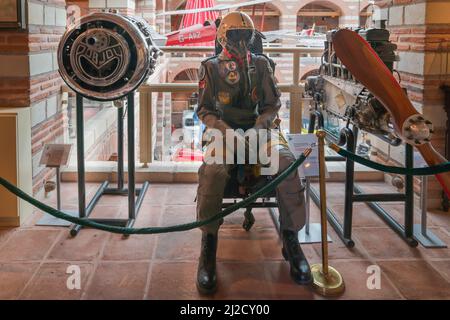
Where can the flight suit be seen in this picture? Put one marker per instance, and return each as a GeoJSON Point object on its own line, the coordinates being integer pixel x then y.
{"type": "Point", "coordinates": [244, 97]}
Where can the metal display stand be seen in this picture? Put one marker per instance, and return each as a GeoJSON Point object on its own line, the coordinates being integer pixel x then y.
{"type": "Point", "coordinates": [354, 193]}
{"type": "Point", "coordinates": [426, 238]}
{"type": "Point", "coordinates": [134, 204]}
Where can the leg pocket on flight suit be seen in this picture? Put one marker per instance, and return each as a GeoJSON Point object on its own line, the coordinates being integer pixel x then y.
{"type": "Point", "coordinates": [212, 179]}
{"type": "Point", "coordinates": [292, 204]}
{"type": "Point", "coordinates": [294, 194]}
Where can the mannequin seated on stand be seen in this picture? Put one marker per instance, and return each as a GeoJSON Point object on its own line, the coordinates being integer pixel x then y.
{"type": "Point", "coordinates": [238, 91]}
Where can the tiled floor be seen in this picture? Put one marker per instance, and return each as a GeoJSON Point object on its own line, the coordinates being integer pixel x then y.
{"type": "Point", "coordinates": [34, 261]}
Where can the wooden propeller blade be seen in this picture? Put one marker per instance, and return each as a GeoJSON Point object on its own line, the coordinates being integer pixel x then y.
{"type": "Point", "coordinates": [364, 64]}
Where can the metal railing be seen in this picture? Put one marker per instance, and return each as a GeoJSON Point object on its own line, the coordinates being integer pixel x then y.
{"type": "Point", "coordinates": [147, 130]}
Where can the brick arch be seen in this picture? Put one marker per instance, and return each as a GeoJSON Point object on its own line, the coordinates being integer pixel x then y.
{"type": "Point", "coordinates": [179, 68]}
{"type": "Point", "coordinates": [174, 4]}
{"type": "Point", "coordinates": [308, 71]}
{"type": "Point", "coordinates": [338, 4]}
{"type": "Point", "coordinates": [364, 4]}
{"type": "Point", "coordinates": [280, 5]}
{"type": "Point", "coordinates": [271, 22]}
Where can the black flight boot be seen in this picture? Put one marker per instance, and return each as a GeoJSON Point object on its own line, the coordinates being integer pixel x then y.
{"type": "Point", "coordinates": [206, 273]}
{"type": "Point", "coordinates": [292, 252]}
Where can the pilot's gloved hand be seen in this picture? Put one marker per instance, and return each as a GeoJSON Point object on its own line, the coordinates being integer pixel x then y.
{"type": "Point", "coordinates": [212, 122]}
{"type": "Point", "coordinates": [265, 120]}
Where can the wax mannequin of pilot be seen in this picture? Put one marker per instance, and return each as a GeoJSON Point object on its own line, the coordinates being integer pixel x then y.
{"type": "Point", "coordinates": [238, 90]}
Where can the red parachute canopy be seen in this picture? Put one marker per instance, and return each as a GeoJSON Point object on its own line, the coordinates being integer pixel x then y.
{"type": "Point", "coordinates": [199, 18]}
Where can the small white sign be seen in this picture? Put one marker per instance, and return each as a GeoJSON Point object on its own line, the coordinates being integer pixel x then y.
{"type": "Point", "coordinates": [419, 161]}
{"type": "Point", "coordinates": [298, 143]}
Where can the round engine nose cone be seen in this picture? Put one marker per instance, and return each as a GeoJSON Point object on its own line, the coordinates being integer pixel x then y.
{"type": "Point", "coordinates": [106, 55]}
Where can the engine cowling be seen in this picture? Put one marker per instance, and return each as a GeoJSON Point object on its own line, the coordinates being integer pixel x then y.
{"type": "Point", "coordinates": [104, 56]}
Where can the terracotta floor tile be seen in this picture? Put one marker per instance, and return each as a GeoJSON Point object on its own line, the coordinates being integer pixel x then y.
{"type": "Point", "coordinates": [177, 214]}
{"type": "Point", "coordinates": [363, 216]}
{"type": "Point", "coordinates": [236, 219]}
{"type": "Point", "coordinates": [84, 247]}
{"type": "Point", "coordinates": [314, 213]}
{"type": "Point", "coordinates": [135, 247]}
{"type": "Point", "coordinates": [356, 276]}
{"type": "Point", "coordinates": [440, 253]}
{"type": "Point", "coordinates": [440, 218]}
{"type": "Point", "coordinates": [250, 264]}
{"type": "Point", "coordinates": [69, 193]}
{"type": "Point", "coordinates": [397, 211]}
{"type": "Point", "coordinates": [182, 194]}
{"type": "Point", "coordinates": [174, 280]}
{"type": "Point", "coordinates": [262, 219]}
{"type": "Point", "coordinates": [51, 279]}
{"type": "Point", "coordinates": [156, 194]}
{"type": "Point", "coordinates": [113, 280]}
{"type": "Point", "coordinates": [242, 281]}
{"type": "Point", "coordinates": [14, 277]}
{"type": "Point", "coordinates": [32, 219]}
{"type": "Point", "coordinates": [28, 245]}
{"type": "Point", "coordinates": [5, 233]}
{"type": "Point", "coordinates": [239, 245]}
{"type": "Point", "coordinates": [416, 279]}
{"type": "Point", "coordinates": [335, 192]}
{"type": "Point", "coordinates": [107, 211]}
{"type": "Point", "coordinates": [443, 268]}
{"type": "Point", "coordinates": [179, 246]}
{"type": "Point", "coordinates": [338, 250]}
{"type": "Point", "coordinates": [384, 243]}
{"type": "Point", "coordinates": [281, 284]}
{"type": "Point", "coordinates": [235, 281]}
{"type": "Point", "coordinates": [269, 242]}
{"type": "Point", "coordinates": [112, 200]}
{"type": "Point", "coordinates": [148, 215]}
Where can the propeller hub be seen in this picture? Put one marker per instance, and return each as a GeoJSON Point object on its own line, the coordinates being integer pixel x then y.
{"type": "Point", "coordinates": [417, 130]}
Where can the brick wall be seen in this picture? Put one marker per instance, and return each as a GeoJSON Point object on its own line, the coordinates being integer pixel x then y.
{"type": "Point", "coordinates": [29, 77]}
{"type": "Point", "coordinates": [127, 7]}
{"type": "Point", "coordinates": [14, 73]}
{"type": "Point", "coordinates": [421, 30]}
{"type": "Point", "coordinates": [47, 21]}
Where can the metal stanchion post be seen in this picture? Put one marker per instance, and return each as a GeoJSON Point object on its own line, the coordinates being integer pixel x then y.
{"type": "Point", "coordinates": [327, 280]}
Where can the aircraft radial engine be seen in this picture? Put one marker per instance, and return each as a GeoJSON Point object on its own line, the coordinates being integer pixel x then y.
{"type": "Point", "coordinates": [368, 58]}
{"type": "Point", "coordinates": [338, 95]}
{"type": "Point", "coordinates": [104, 55]}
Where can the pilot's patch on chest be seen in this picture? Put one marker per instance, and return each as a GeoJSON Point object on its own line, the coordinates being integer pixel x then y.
{"type": "Point", "coordinates": [232, 77]}
{"type": "Point", "coordinates": [231, 66]}
{"type": "Point", "coordinates": [224, 97]}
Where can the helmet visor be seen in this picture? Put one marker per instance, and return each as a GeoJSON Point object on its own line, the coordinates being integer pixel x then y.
{"type": "Point", "coordinates": [239, 35]}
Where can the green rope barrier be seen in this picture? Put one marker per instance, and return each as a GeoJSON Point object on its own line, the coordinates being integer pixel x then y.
{"type": "Point", "coordinates": [154, 230]}
{"type": "Point", "coordinates": [428, 171]}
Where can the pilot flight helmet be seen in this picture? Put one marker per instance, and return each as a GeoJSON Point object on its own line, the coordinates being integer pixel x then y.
{"type": "Point", "coordinates": [235, 27]}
